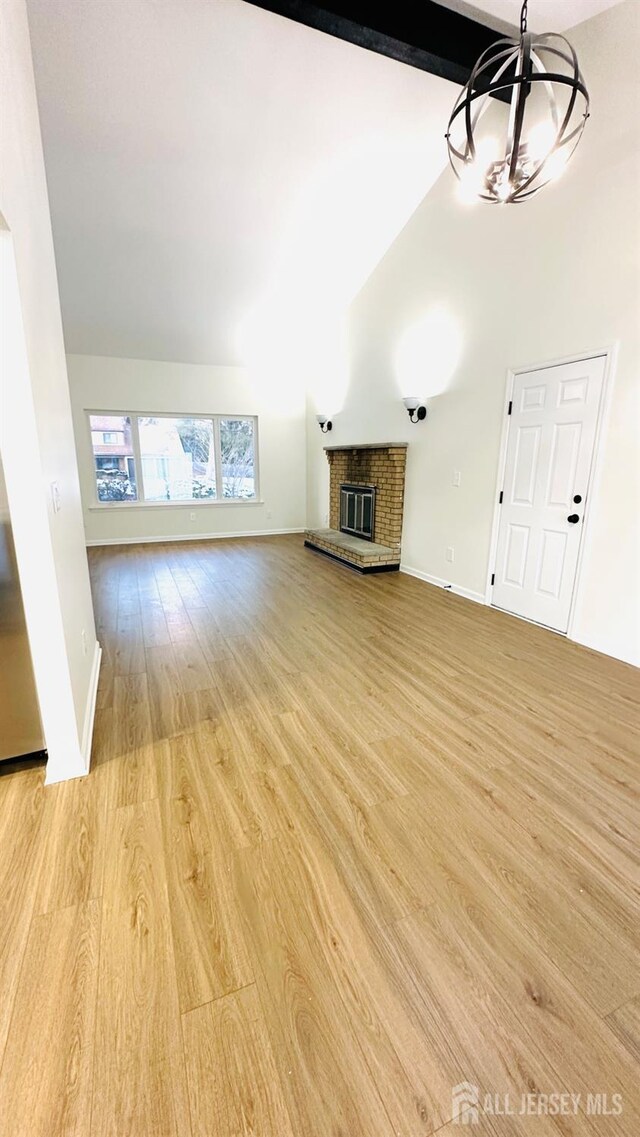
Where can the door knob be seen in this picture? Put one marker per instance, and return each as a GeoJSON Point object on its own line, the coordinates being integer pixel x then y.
{"type": "Point", "coordinates": [572, 518]}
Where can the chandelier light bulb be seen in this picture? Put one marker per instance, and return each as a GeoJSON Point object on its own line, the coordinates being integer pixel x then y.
{"type": "Point", "coordinates": [503, 187]}
{"type": "Point", "coordinates": [541, 141]}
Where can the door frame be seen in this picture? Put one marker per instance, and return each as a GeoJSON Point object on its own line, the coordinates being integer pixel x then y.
{"type": "Point", "coordinates": [610, 355]}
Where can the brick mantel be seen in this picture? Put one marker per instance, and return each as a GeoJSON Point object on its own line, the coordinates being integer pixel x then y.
{"type": "Point", "coordinates": [371, 446]}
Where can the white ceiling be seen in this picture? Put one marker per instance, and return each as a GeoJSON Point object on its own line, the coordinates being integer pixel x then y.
{"type": "Point", "coordinates": [217, 172]}
{"type": "Point", "coordinates": [543, 15]}
{"type": "Point", "coordinates": [223, 180]}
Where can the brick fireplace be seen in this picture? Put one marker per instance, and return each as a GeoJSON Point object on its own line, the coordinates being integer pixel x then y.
{"type": "Point", "coordinates": [378, 465]}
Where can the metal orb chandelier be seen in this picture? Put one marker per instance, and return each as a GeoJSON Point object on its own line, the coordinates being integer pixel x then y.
{"type": "Point", "coordinates": [530, 93]}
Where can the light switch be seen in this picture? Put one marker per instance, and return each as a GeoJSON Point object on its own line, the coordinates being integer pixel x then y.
{"type": "Point", "coordinates": [55, 497]}
{"type": "Point", "coordinates": [456, 477]}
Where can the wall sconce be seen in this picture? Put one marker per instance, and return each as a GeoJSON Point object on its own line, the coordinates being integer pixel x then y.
{"type": "Point", "coordinates": [324, 423]}
{"type": "Point", "coordinates": [416, 412]}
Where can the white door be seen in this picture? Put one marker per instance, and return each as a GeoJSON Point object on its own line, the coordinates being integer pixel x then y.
{"type": "Point", "coordinates": [552, 430]}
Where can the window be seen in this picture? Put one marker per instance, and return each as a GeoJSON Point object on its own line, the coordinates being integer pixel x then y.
{"type": "Point", "coordinates": [113, 460]}
{"type": "Point", "coordinates": [170, 458]}
{"type": "Point", "coordinates": [178, 458]}
{"type": "Point", "coordinates": [107, 462]}
{"type": "Point", "coordinates": [237, 457]}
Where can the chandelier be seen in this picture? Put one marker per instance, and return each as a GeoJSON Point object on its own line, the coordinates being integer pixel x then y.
{"type": "Point", "coordinates": [518, 120]}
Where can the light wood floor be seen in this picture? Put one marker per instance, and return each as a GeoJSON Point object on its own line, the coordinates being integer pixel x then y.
{"type": "Point", "coordinates": [346, 843]}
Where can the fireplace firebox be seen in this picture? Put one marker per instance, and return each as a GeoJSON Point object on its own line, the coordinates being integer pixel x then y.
{"type": "Point", "coordinates": [357, 510]}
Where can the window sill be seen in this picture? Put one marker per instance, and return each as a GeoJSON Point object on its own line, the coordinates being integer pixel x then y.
{"type": "Point", "coordinates": [98, 507]}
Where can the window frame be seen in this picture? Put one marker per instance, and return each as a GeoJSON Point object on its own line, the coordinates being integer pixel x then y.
{"type": "Point", "coordinates": [191, 503]}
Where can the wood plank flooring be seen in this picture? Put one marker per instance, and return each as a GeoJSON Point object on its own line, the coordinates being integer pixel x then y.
{"type": "Point", "coordinates": [346, 843]}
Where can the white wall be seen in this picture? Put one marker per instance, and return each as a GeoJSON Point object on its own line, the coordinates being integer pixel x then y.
{"type": "Point", "coordinates": [106, 383]}
{"type": "Point", "coordinates": [510, 287]}
{"type": "Point", "coordinates": [34, 384]}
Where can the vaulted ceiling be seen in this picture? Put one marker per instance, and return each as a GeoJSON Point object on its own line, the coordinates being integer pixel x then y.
{"type": "Point", "coordinates": [214, 168]}
{"type": "Point", "coordinates": [543, 15]}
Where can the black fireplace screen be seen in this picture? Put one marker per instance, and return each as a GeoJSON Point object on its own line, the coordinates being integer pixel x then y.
{"type": "Point", "coordinates": [357, 510]}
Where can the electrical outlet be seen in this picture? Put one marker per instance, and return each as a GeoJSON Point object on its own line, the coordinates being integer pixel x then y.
{"type": "Point", "coordinates": [449, 554]}
{"type": "Point", "coordinates": [269, 515]}
{"type": "Point", "coordinates": [456, 478]}
{"type": "Point", "coordinates": [55, 497]}
{"type": "Point", "coordinates": [192, 516]}
{"type": "Point", "coordinates": [84, 642]}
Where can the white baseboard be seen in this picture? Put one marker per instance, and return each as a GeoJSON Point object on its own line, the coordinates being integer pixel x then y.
{"type": "Point", "coordinates": [468, 593]}
{"type": "Point", "coordinates": [90, 710]}
{"type": "Point", "coordinates": [189, 537]}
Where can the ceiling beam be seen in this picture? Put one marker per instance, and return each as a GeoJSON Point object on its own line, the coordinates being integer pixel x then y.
{"type": "Point", "coordinates": [422, 34]}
